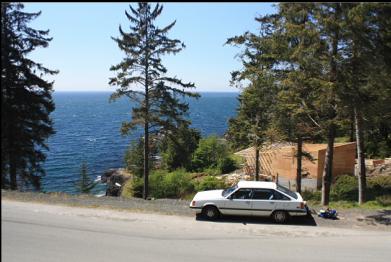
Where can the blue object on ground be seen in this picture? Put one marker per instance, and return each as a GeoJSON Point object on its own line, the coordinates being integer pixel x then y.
{"type": "Point", "coordinates": [328, 213]}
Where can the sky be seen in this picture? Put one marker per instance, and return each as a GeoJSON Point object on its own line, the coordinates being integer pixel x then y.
{"type": "Point", "coordinates": [83, 51]}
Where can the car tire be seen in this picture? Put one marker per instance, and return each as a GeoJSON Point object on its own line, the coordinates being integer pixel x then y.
{"type": "Point", "coordinates": [210, 212]}
{"type": "Point", "coordinates": [280, 216]}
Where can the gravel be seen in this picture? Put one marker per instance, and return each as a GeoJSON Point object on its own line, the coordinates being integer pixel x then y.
{"type": "Point", "coordinates": [348, 218]}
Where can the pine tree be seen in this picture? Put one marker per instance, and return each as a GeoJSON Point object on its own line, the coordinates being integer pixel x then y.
{"type": "Point", "coordinates": [141, 77]}
{"type": "Point", "coordinates": [26, 99]}
{"type": "Point", "coordinates": [85, 184]}
{"type": "Point", "coordinates": [365, 72]}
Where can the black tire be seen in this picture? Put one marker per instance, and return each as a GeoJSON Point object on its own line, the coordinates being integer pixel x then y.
{"type": "Point", "coordinates": [210, 212]}
{"type": "Point", "coordinates": [280, 216]}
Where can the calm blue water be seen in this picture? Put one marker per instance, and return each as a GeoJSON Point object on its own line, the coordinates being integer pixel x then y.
{"type": "Point", "coordinates": [88, 129]}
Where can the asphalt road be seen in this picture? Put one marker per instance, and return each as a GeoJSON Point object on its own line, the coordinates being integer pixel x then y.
{"type": "Point", "coordinates": [38, 232]}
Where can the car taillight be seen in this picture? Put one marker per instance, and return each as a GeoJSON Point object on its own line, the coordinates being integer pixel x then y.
{"type": "Point", "coordinates": [193, 203]}
{"type": "Point", "coordinates": [302, 205]}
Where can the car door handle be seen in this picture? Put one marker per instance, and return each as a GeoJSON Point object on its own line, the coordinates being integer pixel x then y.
{"type": "Point", "coordinates": [271, 203]}
{"type": "Point", "coordinates": [248, 202]}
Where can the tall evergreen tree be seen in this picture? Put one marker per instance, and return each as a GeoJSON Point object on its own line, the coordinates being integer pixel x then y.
{"type": "Point", "coordinates": [364, 64]}
{"type": "Point", "coordinates": [26, 99]}
{"type": "Point", "coordinates": [141, 77]}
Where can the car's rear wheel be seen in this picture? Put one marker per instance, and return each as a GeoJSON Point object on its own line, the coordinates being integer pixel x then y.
{"type": "Point", "coordinates": [210, 212]}
{"type": "Point", "coordinates": [280, 216]}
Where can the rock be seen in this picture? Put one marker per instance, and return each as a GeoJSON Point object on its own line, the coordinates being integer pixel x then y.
{"type": "Point", "coordinates": [115, 179]}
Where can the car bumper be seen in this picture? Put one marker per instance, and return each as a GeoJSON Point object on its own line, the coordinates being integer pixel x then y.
{"type": "Point", "coordinates": [197, 210]}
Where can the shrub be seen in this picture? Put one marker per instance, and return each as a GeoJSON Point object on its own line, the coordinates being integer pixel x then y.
{"type": "Point", "coordinates": [311, 195]}
{"type": "Point", "coordinates": [378, 186]}
{"type": "Point", "coordinates": [210, 151]}
{"type": "Point", "coordinates": [212, 171]}
{"type": "Point", "coordinates": [212, 156]}
{"type": "Point", "coordinates": [133, 188]}
{"type": "Point", "coordinates": [226, 165]}
{"type": "Point", "coordinates": [384, 200]}
{"type": "Point", "coordinates": [175, 184]}
{"type": "Point", "coordinates": [345, 188]}
{"type": "Point", "coordinates": [209, 183]}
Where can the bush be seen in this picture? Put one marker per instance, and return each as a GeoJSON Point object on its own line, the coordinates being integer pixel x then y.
{"type": "Point", "coordinates": [133, 188]}
{"type": "Point", "coordinates": [384, 200]}
{"type": "Point", "coordinates": [226, 165]}
{"type": "Point", "coordinates": [345, 188]}
{"type": "Point", "coordinates": [311, 195]}
{"type": "Point", "coordinates": [210, 183]}
{"type": "Point", "coordinates": [378, 186]}
{"type": "Point", "coordinates": [175, 184]}
{"type": "Point", "coordinates": [212, 156]}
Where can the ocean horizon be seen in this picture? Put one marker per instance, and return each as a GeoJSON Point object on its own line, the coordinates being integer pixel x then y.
{"type": "Point", "coordinates": [87, 130]}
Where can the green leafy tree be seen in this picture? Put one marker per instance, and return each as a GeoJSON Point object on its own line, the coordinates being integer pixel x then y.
{"type": "Point", "coordinates": [85, 184]}
{"type": "Point", "coordinates": [211, 152]}
{"type": "Point", "coordinates": [26, 99]}
{"type": "Point", "coordinates": [142, 77]}
{"type": "Point", "coordinates": [177, 147]}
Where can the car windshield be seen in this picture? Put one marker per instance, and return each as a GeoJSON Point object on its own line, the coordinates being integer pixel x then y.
{"type": "Point", "coordinates": [229, 190]}
{"type": "Point", "coordinates": [287, 191]}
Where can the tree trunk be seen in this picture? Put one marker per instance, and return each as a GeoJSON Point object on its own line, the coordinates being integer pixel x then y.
{"type": "Point", "coordinates": [299, 158]}
{"type": "Point", "coordinates": [328, 166]}
{"type": "Point", "coordinates": [361, 156]}
{"type": "Point", "coordinates": [256, 163]}
{"type": "Point", "coordinates": [352, 131]}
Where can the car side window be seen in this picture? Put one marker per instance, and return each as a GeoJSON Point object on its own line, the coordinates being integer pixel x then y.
{"type": "Point", "coordinates": [243, 193]}
{"type": "Point", "coordinates": [278, 196]}
{"type": "Point", "coordinates": [262, 194]}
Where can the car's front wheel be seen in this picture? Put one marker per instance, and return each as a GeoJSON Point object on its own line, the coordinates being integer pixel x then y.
{"type": "Point", "coordinates": [280, 216]}
{"type": "Point", "coordinates": [210, 212]}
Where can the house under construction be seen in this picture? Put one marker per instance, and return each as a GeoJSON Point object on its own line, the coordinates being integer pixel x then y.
{"type": "Point", "coordinates": [279, 159]}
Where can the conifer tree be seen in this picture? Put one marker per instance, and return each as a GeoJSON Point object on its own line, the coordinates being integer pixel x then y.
{"type": "Point", "coordinates": [26, 99]}
{"type": "Point", "coordinates": [142, 77]}
{"type": "Point", "coordinates": [85, 184]}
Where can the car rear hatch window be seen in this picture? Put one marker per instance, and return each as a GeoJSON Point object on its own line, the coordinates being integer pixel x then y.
{"type": "Point", "coordinates": [287, 191]}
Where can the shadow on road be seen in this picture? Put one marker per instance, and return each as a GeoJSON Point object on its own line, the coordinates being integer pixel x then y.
{"type": "Point", "coordinates": [297, 221]}
{"type": "Point", "coordinates": [382, 217]}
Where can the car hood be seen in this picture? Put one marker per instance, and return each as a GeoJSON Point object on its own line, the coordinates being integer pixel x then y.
{"type": "Point", "coordinates": [209, 195]}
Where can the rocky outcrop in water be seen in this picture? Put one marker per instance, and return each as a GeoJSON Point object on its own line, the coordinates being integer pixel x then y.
{"type": "Point", "coordinates": [115, 179]}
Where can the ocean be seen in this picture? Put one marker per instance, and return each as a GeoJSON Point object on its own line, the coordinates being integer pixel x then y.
{"type": "Point", "coordinates": [87, 129]}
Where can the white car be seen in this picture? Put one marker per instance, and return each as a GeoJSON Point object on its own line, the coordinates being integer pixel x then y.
{"type": "Point", "coordinates": [250, 198]}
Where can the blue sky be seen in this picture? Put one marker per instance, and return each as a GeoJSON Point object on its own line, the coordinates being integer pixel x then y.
{"type": "Point", "coordinates": [83, 51]}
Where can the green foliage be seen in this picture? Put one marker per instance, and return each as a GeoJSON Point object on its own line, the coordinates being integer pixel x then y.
{"type": "Point", "coordinates": [26, 99]}
{"type": "Point", "coordinates": [384, 200]}
{"type": "Point", "coordinates": [178, 147]}
{"type": "Point", "coordinates": [213, 154]}
{"type": "Point", "coordinates": [85, 184]}
{"type": "Point", "coordinates": [378, 186]}
{"type": "Point", "coordinates": [226, 165]}
{"type": "Point", "coordinates": [175, 184]}
{"type": "Point", "coordinates": [345, 188]}
{"type": "Point", "coordinates": [311, 195]}
{"type": "Point", "coordinates": [159, 107]}
{"type": "Point", "coordinates": [133, 188]}
{"type": "Point", "coordinates": [210, 183]}
{"type": "Point", "coordinates": [134, 158]}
